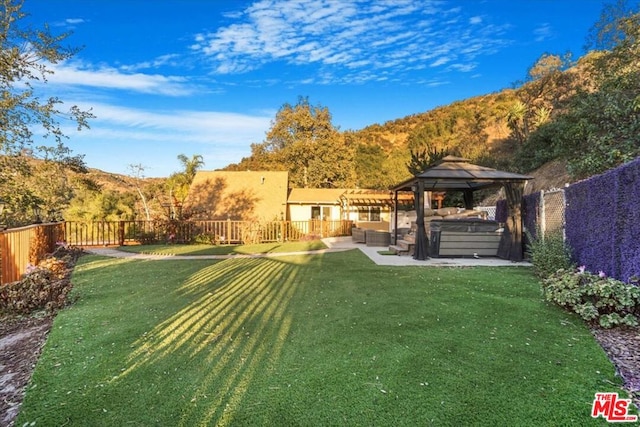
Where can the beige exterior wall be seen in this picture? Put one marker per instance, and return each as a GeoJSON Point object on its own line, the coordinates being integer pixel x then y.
{"type": "Point", "coordinates": [242, 195]}
{"type": "Point", "coordinates": [302, 212]}
{"type": "Point", "coordinates": [265, 196]}
{"type": "Point", "coordinates": [382, 225]}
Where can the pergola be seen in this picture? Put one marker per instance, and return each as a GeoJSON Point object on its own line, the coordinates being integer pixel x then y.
{"type": "Point", "coordinates": [457, 174]}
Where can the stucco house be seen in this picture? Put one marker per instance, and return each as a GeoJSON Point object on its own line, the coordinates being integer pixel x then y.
{"type": "Point", "coordinates": [369, 209]}
{"type": "Point", "coordinates": [372, 209]}
{"type": "Point", "coordinates": [238, 195]}
{"type": "Point", "coordinates": [265, 196]}
{"type": "Point", "coordinates": [304, 204]}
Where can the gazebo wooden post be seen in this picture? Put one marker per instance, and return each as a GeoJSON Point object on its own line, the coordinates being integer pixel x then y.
{"type": "Point", "coordinates": [421, 251]}
{"type": "Point", "coordinates": [395, 217]}
{"type": "Point", "coordinates": [511, 242]}
{"type": "Point", "coordinates": [467, 195]}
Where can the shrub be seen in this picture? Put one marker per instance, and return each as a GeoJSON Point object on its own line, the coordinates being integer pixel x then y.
{"type": "Point", "coordinates": [205, 239]}
{"type": "Point", "coordinates": [44, 286]}
{"type": "Point", "coordinates": [596, 298]}
{"type": "Point", "coordinates": [57, 267]}
{"type": "Point", "coordinates": [549, 254]}
{"type": "Point", "coordinates": [147, 238]}
{"type": "Point", "coordinates": [501, 210]}
{"type": "Point", "coordinates": [530, 209]}
{"type": "Point", "coordinates": [38, 289]}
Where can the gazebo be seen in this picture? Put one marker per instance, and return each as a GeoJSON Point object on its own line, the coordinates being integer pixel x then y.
{"type": "Point", "coordinates": [458, 174]}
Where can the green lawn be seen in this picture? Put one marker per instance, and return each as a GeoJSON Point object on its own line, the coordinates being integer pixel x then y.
{"type": "Point", "coordinates": [312, 340]}
{"type": "Point", "coordinates": [201, 249]}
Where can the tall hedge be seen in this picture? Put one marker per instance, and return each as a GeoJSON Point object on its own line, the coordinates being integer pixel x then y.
{"type": "Point", "coordinates": [603, 222]}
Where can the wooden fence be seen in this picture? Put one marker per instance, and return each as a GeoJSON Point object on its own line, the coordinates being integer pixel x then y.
{"type": "Point", "coordinates": [106, 233]}
{"type": "Point", "coordinates": [20, 247]}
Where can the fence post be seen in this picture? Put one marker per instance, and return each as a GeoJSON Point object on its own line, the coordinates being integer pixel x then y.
{"type": "Point", "coordinates": [542, 216]}
{"type": "Point", "coordinates": [564, 215]}
{"type": "Point", "coordinates": [121, 233]}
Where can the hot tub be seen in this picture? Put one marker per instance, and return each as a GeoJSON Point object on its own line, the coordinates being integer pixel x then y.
{"type": "Point", "coordinates": [464, 238]}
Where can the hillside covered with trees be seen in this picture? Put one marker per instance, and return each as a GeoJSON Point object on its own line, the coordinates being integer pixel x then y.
{"type": "Point", "coordinates": [581, 115]}
{"type": "Point", "coordinates": [566, 120]}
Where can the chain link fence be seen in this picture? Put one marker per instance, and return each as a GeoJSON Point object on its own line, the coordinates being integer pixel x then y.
{"type": "Point", "coordinates": [543, 213]}
{"type": "Point", "coordinates": [552, 212]}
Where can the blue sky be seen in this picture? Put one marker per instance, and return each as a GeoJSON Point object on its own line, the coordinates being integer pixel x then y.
{"type": "Point", "coordinates": [166, 77]}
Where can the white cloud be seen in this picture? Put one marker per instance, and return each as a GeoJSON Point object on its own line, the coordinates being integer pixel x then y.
{"type": "Point", "coordinates": [441, 61]}
{"type": "Point", "coordinates": [543, 32]}
{"type": "Point", "coordinates": [173, 59]}
{"type": "Point", "coordinates": [69, 22]}
{"type": "Point", "coordinates": [111, 78]}
{"type": "Point", "coordinates": [195, 126]}
{"type": "Point", "coordinates": [356, 35]}
{"type": "Point", "coordinates": [465, 68]}
{"type": "Point", "coordinates": [120, 136]}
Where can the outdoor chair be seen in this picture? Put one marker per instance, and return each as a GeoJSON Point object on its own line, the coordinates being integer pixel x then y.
{"type": "Point", "coordinates": [378, 238]}
{"type": "Point", "coordinates": [358, 235]}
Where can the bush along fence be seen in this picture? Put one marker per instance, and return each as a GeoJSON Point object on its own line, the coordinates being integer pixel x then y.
{"type": "Point", "coordinates": [20, 247]}
{"type": "Point", "coordinates": [102, 233]}
{"type": "Point", "coordinates": [598, 218]}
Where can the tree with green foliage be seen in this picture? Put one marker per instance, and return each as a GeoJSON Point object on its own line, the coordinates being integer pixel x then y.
{"type": "Point", "coordinates": [368, 163]}
{"type": "Point", "coordinates": [102, 206]}
{"type": "Point", "coordinates": [546, 87]}
{"type": "Point", "coordinates": [422, 159]}
{"type": "Point", "coordinates": [472, 135]}
{"type": "Point", "coordinates": [608, 32]}
{"type": "Point", "coordinates": [25, 55]}
{"type": "Point", "coordinates": [179, 182]}
{"type": "Point", "coordinates": [599, 129]}
{"type": "Point", "coordinates": [303, 141]}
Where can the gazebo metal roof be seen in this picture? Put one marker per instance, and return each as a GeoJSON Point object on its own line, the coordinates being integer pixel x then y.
{"type": "Point", "coordinates": [457, 174]}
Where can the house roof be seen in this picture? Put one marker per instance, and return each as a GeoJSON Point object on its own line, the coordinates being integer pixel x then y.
{"type": "Point", "coordinates": [456, 173]}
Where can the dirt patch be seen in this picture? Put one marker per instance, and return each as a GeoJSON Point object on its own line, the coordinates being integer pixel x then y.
{"type": "Point", "coordinates": [622, 345]}
{"type": "Point", "coordinates": [21, 341]}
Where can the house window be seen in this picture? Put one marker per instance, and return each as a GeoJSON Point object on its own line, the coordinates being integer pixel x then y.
{"type": "Point", "coordinates": [321, 212]}
{"type": "Point", "coordinates": [369, 213]}
{"type": "Point", "coordinates": [315, 212]}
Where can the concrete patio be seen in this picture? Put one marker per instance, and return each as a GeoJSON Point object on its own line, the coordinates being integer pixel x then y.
{"type": "Point", "coordinates": [334, 244]}
{"type": "Point", "coordinates": [346, 243]}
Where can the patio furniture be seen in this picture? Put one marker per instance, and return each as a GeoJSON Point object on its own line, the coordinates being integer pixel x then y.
{"type": "Point", "coordinates": [377, 238]}
{"type": "Point", "coordinates": [358, 235]}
